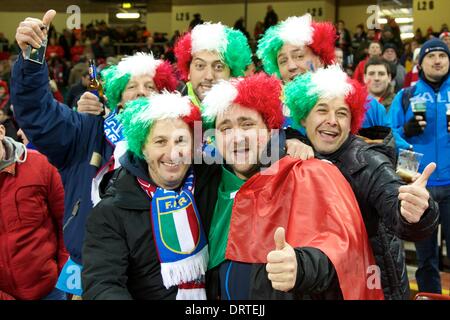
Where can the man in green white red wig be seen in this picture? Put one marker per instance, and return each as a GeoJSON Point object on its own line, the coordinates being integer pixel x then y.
{"type": "Point", "coordinates": [297, 45]}
{"type": "Point", "coordinates": [135, 76]}
{"type": "Point", "coordinates": [169, 253]}
{"type": "Point", "coordinates": [124, 77]}
{"type": "Point", "coordinates": [303, 93]}
{"type": "Point", "coordinates": [331, 108]}
{"type": "Point", "coordinates": [210, 52]}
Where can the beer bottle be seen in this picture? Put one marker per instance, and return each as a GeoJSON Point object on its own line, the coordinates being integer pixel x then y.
{"type": "Point", "coordinates": [95, 85]}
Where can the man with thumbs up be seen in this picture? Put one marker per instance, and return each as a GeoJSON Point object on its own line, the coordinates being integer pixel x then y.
{"type": "Point", "coordinates": [83, 147]}
{"type": "Point", "coordinates": [391, 211]}
{"type": "Point", "coordinates": [282, 263]}
{"type": "Point", "coordinates": [321, 250]}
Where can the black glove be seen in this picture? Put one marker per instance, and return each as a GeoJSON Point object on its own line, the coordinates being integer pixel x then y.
{"type": "Point", "coordinates": [412, 128]}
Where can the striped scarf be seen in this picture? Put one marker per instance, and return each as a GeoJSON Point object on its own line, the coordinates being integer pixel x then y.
{"type": "Point", "coordinates": [179, 238]}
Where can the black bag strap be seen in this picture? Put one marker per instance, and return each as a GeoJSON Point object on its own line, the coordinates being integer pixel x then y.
{"type": "Point", "coordinates": [407, 94]}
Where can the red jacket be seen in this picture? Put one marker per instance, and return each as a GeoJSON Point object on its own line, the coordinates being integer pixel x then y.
{"type": "Point", "coordinates": [32, 251]}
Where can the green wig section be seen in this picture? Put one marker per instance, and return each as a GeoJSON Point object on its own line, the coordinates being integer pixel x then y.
{"type": "Point", "coordinates": [300, 97]}
{"type": "Point", "coordinates": [238, 54]}
{"type": "Point", "coordinates": [268, 47]}
{"type": "Point", "coordinates": [136, 126]}
{"type": "Point", "coordinates": [114, 83]}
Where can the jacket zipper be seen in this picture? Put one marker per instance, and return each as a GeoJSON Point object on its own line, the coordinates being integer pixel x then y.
{"type": "Point", "coordinates": [75, 209]}
{"type": "Point", "coordinates": [436, 133]}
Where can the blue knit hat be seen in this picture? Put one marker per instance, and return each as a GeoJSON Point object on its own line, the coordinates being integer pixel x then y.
{"type": "Point", "coordinates": [432, 45]}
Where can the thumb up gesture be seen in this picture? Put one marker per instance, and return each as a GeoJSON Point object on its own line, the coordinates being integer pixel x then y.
{"type": "Point", "coordinates": [33, 31]}
{"type": "Point", "coordinates": [282, 263]}
{"type": "Point", "coordinates": [414, 197]}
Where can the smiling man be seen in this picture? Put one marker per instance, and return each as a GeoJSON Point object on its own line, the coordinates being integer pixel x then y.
{"type": "Point", "coordinates": [331, 107]}
{"type": "Point", "coordinates": [209, 53]}
{"type": "Point", "coordinates": [144, 240]}
{"type": "Point", "coordinates": [295, 46]}
{"type": "Point", "coordinates": [377, 77]}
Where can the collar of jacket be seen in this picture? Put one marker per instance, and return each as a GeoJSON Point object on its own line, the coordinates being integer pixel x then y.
{"type": "Point", "coordinates": [353, 152]}
{"type": "Point", "coordinates": [124, 187]}
{"type": "Point", "coordinates": [436, 86]}
{"type": "Point", "coordinates": [346, 153]}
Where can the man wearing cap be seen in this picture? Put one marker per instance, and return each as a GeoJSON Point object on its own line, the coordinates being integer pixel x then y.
{"type": "Point", "coordinates": [390, 54]}
{"type": "Point", "coordinates": [258, 190]}
{"type": "Point", "coordinates": [331, 108]}
{"type": "Point", "coordinates": [430, 135]}
{"type": "Point", "coordinates": [82, 146]}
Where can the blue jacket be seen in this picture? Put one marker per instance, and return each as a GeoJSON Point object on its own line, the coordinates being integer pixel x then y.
{"type": "Point", "coordinates": [70, 140]}
{"type": "Point", "coordinates": [376, 116]}
{"type": "Point", "coordinates": [434, 142]}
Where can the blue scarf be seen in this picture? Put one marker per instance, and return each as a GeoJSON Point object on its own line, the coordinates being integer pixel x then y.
{"type": "Point", "coordinates": [179, 238]}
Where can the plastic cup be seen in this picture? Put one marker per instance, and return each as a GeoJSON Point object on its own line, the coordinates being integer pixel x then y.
{"type": "Point", "coordinates": [408, 164]}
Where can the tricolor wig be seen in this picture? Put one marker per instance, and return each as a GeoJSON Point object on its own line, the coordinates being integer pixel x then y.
{"type": "Point", "coordinates": [297, 31]}
{"type": "Point", "coordinates": [139, 116]}
{"type": "Point", "coordinates": [116, 78]}
{"type": "Point", "coordinates": [303, 93]}
{"type": "Point", "coordinates": [259, 92]}
{"type": "Point", "coordinates": [232, 46]}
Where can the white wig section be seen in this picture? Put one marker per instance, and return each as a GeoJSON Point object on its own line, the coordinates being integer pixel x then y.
{"type": "Point", "coordinates": [139, 64]}
{"type": "Point", "coordinates": [166, 106]}
{"type": "Point", "coordinates": [209, 36]}
{"type": "Point", "coordinates": [219, 99]}
{"type": "Point", "coordinates": [297, 30]}
{"type": "Point", "coordinates": [331, 82]}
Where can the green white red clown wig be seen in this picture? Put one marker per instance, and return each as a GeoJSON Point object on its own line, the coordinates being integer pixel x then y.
{"type": "Point", "coordinates": [303, 93]}
{"type": "Point", "coordinates": [298, 31]}
{"type": "Point", "coordinates": [259, 92]}
{"type": "Point", "coordinates": [116, 78]}
{"type": "Point", "coordinates": [139, 116]}
{"type": "Point", "coordinates": [232, 46]}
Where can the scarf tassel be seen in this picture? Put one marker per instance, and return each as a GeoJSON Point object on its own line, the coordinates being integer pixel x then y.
{"type": "Point", "coordinates": [185, 270]}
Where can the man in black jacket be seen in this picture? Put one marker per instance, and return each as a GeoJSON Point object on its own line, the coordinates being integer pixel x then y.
{"type": "Point", "coordinates": [332, 110]}
{"type": "Point", "coordinates": [128, 255]}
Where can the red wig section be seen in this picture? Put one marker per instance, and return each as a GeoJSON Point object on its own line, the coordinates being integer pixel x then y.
{"type": "Point", "coordinates": [183, 53]}
{"type": "Point", "coordinates": [165, 77]}
{"type": "Point", "coordinates": [357, 101]}
{"type": "Point", "coordinates": [324, 37]}
{"type": "Point", "coordinates": [262, 93]}
{"type": "Point", "coordinates": [195, 115]}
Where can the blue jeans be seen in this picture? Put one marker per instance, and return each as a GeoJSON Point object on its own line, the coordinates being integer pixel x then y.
{"type": "Point", "coordinates": [56, 294]}
{"type": "Point", "coordinates": [427, 274]}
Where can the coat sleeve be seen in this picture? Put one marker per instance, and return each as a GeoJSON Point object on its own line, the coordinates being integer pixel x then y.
{"type": "Point", "coordinates": [315, 272]}
{"type": "Point", "coordinates": [382, 192]}
{"type": "Point", "coordinates": [56, 210]}
{"type": "Point", "coordinates": [56, 131]}
{"type": "Point", "coordinates": [105, 256]}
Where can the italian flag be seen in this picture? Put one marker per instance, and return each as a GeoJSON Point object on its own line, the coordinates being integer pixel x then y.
{"type": "Point", "coordinates": [180, 230]}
